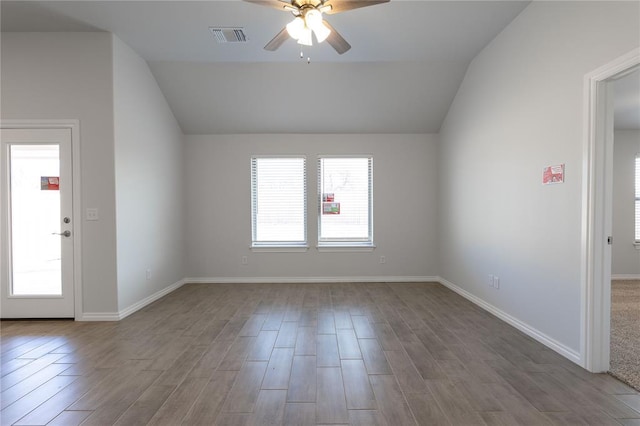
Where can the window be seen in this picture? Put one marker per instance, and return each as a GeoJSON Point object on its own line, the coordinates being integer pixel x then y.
{"type": "Point", "coordinates": [638, 198]}
{"type": "Point", "coordinates": [278, 202]}
{"type": "Point", "coordinates": [345, 201]}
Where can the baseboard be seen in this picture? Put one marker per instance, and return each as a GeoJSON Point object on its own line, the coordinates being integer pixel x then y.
{"type": "Point", "coordinates": [150, 299]}
{"type": "Point", "coordinates": [99, 316]}
{"type": "Point", "coordinates": [515, 322]}
{"type": "Point", "coordinates": [117, 316]}
{"type": "Point", "coordinates": [275, 280]}
{"type": "Point", "coordinates": [625, 277]}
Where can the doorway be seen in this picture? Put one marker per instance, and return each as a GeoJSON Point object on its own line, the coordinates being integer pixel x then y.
{"type": "Point", "coordinates": [625, 269]}
{"type": "Point", "coordinates": [597, 210]}
{"type": "Point", "coordinates": [37, 223]}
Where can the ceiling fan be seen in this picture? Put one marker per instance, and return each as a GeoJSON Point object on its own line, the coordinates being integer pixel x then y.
{"type": "Point", "coordinates": [308, 20]}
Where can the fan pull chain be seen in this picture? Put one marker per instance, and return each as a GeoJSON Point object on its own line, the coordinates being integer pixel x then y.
{"type": "Point", "coordinates": [301, 54]}
{"type": "Point", "coordinates": [302, 57]}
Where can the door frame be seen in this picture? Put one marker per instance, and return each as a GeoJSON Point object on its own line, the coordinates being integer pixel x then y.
{"type": "Point", "coordinates": [597, 191]}
{"type": "Point", "coordinates": [74, 126]}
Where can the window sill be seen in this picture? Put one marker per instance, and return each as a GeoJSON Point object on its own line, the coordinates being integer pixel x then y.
{"type": "Point", "coordinates": [345, 247]}
{"type": "Point", "coordinates": [279, 249]}
{"type": "Point", "coordinates": [637, 245]}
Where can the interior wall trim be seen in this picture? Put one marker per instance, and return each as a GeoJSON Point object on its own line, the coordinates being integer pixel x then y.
{"type": "Point", "coordinates": [99, 316]}
{"type": "Point", "coordinates": [625, 277]}
{"type": "Point", "coordinates": [123, 313]}
{"type": "Point", "coordinates": [117, 316]}
{"type": "Point", "coordinates": [597, 189]}
{"type": "Point", "coordinates": [74, 125]}
{"type": "Point", "coordinates": [527, 329]}
{"type": "Point", "coordinates": [311, 280]}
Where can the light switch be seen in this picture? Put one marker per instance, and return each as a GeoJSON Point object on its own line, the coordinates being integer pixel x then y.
{"type": "Point", "coordinates": [92, 213]}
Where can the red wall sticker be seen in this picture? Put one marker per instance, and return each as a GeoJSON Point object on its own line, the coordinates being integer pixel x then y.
{"type": "Point", "coordinates": [553, 174]}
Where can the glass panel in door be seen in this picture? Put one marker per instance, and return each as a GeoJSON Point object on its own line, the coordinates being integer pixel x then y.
{"type": "Point", "coordinates": [35, 220]}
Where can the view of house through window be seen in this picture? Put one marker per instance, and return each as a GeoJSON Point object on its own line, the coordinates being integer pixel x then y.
{"type": "Point", "coordinates": [278, 201]}
{"type": "Point", "coordinates": [345, 204]}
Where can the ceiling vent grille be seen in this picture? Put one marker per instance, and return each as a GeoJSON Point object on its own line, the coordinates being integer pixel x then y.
{"type": "Point", "coordinates": [229, 35]}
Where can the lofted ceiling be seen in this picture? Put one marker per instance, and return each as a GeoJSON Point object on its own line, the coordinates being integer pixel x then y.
{"type": "Point", "coordinates": [406, 63]}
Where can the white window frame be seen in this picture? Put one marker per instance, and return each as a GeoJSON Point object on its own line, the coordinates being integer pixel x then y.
{"type": "Point", "coordinates": [277, 246]}
{"type": "Point", "coordinates": [345, 244]}
{"type": "Point", "coordinates": [637, 201]}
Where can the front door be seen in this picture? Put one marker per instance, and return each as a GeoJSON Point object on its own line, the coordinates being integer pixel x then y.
{"type": "Point", "coordinates": [37, 224]}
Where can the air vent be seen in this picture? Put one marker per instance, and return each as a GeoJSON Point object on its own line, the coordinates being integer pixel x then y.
{"type": "Point", "coordinates": [229, 35]}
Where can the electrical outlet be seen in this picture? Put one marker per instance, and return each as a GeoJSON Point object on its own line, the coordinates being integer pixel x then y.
{"type": "Point", "coordinates": [383, 259]}
{"type": "Point", "coordinates": [491, 280]}
{"type": "Point", "coordinates": [496, 283]}
{"type": "Point", "coordinates": [148, 274]}
{"type": "Point", "coordinates": [244, 260]}
{"type": "Point", "coordinates": [92, 213]}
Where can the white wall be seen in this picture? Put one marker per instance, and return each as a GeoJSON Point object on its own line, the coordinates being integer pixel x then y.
{"type": "Point", "coordinates": [69, 76]}
{"type": "Point", "coordinates": [218, 207]}
{"type": "Point", "coordinates": [625, 256]}
{"type": "Point", "coordinates": [149, 181]}
{"type": "Point", "coordinates": [520, 108]}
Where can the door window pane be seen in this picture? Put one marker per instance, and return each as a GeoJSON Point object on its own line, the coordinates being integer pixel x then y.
{"type": "Point", "coordinates": [35, 217]}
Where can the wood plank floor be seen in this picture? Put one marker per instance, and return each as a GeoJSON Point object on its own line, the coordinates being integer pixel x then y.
{"type": "Point", "coordinates": [299, 354]}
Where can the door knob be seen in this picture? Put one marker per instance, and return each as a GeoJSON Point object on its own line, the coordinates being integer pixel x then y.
{"type": "Point", "coordinates": [64, 234]}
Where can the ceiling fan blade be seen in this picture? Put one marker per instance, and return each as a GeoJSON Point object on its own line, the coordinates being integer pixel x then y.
{"type": "Point", "coordinates": [275, 4]}
{"type": "Point", "coordinates": [277, 41]}
{"type": "Point", "coordinates": [336, 40]}
{"type": "Point", "coordinates": [338, 6]}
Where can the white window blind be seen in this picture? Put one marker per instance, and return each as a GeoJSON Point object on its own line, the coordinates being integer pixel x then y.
{"type": "Point", "coordinates": [278, 201]}
{"type": "Point", "coordinates": [637, 198]}
{"type": "Point", "coordinates": [345, 189]}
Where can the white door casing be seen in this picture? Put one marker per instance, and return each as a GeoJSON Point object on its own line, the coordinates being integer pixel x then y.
{"type": "Point", "coordinates": [59, 301]}
{"type": "Point", "coordinates": [597, 211]}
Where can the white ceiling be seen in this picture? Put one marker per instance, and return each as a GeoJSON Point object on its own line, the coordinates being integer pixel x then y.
{"type": "Point", "coordinates": [405, 66]}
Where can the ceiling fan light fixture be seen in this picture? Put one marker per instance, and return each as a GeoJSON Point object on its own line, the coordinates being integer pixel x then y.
{"type": "Point", "coordinates": [322, 32]}
{"type": "Point", "coordinates": [305, 37]}
{"type": "Point", "coordinates": [308, 21]}
{"type": "Point", "coordinates": [313, 18]}
{"type": "Point", "coordinates": [296, 27]}
{"type": "Point", "coordinates": [302, 27]}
